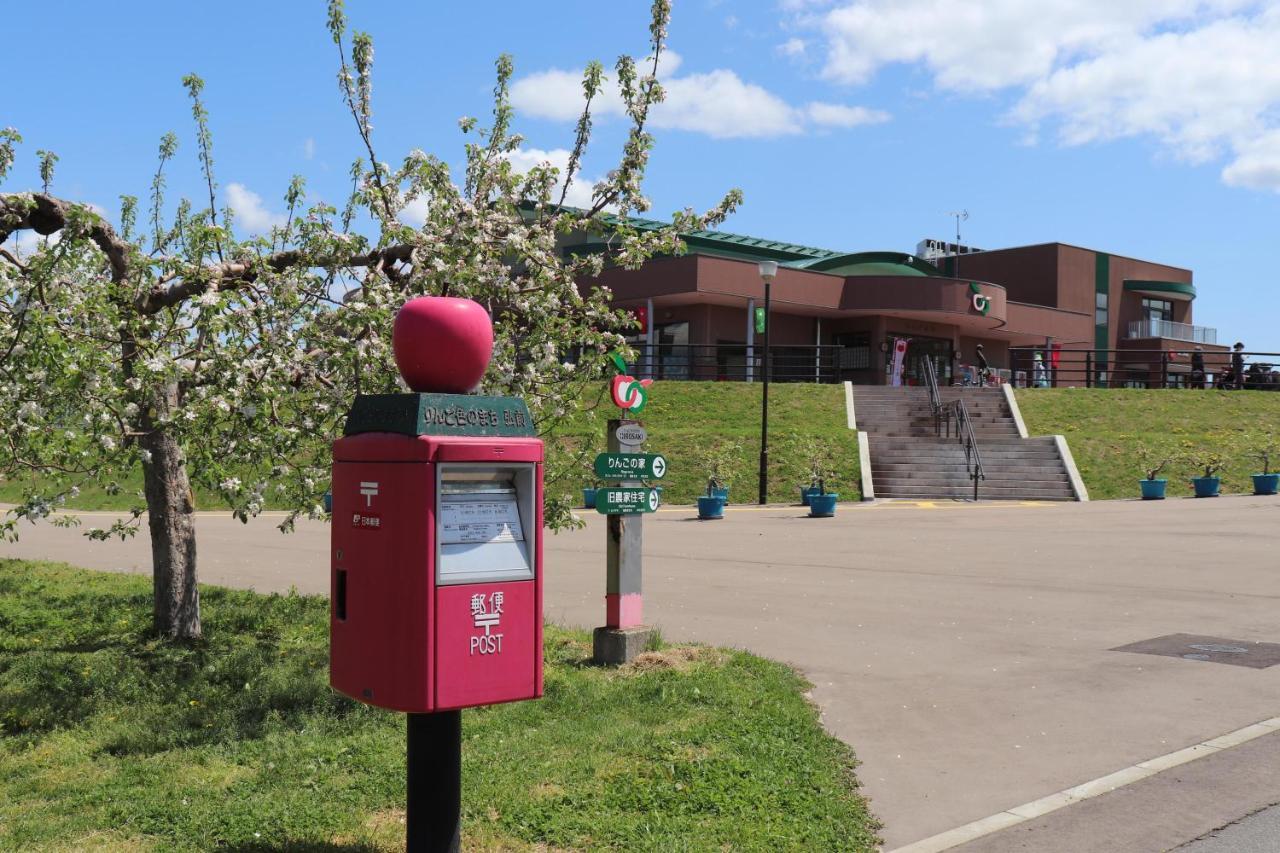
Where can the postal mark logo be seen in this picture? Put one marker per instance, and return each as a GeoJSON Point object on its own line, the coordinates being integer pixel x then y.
{"type": "Point", "coordinates": [486, 613]}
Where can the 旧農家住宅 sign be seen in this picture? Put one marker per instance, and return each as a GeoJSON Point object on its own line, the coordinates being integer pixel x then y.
{"type": "Point", "coordinates": [631, 466]}
{"type": "Point", "coordinates": [623, 500]}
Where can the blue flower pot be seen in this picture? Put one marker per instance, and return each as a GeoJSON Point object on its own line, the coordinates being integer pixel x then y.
{"type": "Point", "coordinates": [1206, 487]}
{"type": "Point", "coordinates": [588, 498]}
{"type": "Point", "coordinates": [1153, 490]}
{"type": "Point", "coordinates": [807, 492]}
{"type": "Point", "coordinates": [710, 507]}
{"type": "Point", "coordinates": [1266, 484]}
{"type": "Point", "coordinates": [722, 494]}
{"type": "Point", "coordinates": [823, 506]}
{"type": "Point", "coordinates": [328, 501]}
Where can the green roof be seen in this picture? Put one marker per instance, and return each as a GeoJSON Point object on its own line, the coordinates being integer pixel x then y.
{"type": "Point", "coordinates": [873, 263]}
{"type": "Point", "coordinates": [794, 255]}
{"type": "Point", "coordinates": [736, 245]}
{"type": "Point", "coordinates": [1173, 288]}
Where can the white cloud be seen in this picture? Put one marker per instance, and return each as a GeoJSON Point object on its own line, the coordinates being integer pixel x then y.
{"type": "Point", "coordinates": [250, 212]}
{"type": "Point", "coordinates": [1257, 164]}
{"type": "Point", "coordinates": [839, 115]}
{"type": "Point", "coordinates": [309, 148]}
{"type": "Point", "coordinates": [557, 95]}
{"type": "Point", "coordinates": [415, 212]}
{"type": "Point", "coordinates": [1198, 76]}
{"type": "Point", "coordinates": [718, 103]}
{"type": "Point", "coordinates": [579, 194]}
{"type": "Point", "coordinates": [794, 47]}
{"type": "Point", "coordinates": [25, 243]}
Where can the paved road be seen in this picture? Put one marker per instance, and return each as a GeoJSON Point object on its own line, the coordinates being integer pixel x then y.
{"type": "Point", "coordinates": [1257, 833]}
{"type": "Point", "coordinates": [961, 649]}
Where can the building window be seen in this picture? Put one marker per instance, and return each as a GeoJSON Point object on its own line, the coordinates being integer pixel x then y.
{"type": "Point", "coordinates": [856, 354]}
{"type": "Point", "coordinates": [1157, 310]}
{"type": "Point", "coordinates": [1100, 310]}
{"type": "Point", "coordinates": [673, 350]}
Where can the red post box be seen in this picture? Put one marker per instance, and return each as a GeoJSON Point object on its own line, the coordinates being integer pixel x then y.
{"type": "Point", "coordinates": [437, 553]}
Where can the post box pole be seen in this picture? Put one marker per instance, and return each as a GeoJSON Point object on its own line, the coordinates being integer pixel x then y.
{"type": "Point", "coordinates": [433, 795]}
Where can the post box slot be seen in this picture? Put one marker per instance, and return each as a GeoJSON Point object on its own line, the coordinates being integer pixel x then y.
{"type": "Point", "coordinates": [485, 523]}
{"type": "Point", "coordinates": [340, 595]}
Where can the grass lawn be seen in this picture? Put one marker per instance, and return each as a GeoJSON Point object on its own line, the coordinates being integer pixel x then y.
{"type": "Point", "coordinates": [684, 418]}
{"type": "Point", "coordinates": [110, 740]}
{"type": "Point", "coordinates": [1107, 428]}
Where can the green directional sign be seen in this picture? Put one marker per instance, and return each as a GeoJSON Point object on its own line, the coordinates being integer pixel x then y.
{"type": "Point", "coordinates": [631, 466]}
{"type": "Point", "coordinates": [618, 501]}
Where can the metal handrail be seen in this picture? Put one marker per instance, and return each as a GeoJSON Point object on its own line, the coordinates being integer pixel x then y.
{"type": "Point", "coordinates": [935, 396]}
{"type": "Point", "coordinates": [956, 410]}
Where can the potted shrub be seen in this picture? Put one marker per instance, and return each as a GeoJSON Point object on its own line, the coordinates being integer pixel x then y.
{"type": "Point", "coordinates": [1207, 486]}
{"type": "Point", "coordinates": [806, 448]}
{"type": "Point", "coordinates": [717, 461]}
{"type": "Point", "coordinates": [1153, 486]}
{"type": "Point", "coordinates": [821, 465]}
{"type": "Point", "coordinates": [1266, 483]}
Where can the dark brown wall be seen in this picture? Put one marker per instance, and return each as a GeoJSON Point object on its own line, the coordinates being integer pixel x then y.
{"type": "Point", "coordinates": [1028, 274]}
{"type": "Point", "coordinates": [1033, 323]}
{"type": "Point", "coordinates": [1126, 307]}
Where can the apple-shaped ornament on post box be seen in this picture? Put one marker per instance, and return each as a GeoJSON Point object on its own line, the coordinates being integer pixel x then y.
{"type": "Point", "coordinates": [436, 552]}
{"type": "Point", "coordinates": [442, 344]}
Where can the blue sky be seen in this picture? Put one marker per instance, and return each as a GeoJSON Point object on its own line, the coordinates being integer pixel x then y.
{"type": "Point", "coordinates": [1145, 128]}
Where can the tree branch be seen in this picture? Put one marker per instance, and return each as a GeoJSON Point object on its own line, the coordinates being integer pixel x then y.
{"type": "Point", "coordinates": [232, 274]}
{"type": "Point", "coordinates": [45, 215]}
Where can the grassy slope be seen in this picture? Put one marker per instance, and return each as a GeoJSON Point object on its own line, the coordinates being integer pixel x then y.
{"type": "Point", "coordinates": [109, 740]}
{"type": "Point", "coordinates": [683, 417]}
{"type": "Point", "coordinates": [1106, 429]}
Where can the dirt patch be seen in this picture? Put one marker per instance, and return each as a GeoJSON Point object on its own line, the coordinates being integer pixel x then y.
{"type": "Point", "coordinates": [673, 657]}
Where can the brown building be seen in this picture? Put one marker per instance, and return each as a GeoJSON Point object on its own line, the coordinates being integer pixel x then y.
{"type": "Point", "coordinates": [835, 315]}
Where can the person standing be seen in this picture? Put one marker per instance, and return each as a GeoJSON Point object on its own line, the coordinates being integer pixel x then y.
{"type": "Point", "coordinates": [984, 370]}
{"type": "Point", "coordinates": [1197, 367]}
{"type": "Point", "coordinates": [1237, 365]}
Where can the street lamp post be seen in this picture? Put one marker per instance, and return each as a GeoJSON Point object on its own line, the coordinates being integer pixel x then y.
{"type": "Point", "coordinates": [768, 270]}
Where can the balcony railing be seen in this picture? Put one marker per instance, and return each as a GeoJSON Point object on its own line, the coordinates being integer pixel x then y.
{"type": "Point", "coordinates": [1151, 328]}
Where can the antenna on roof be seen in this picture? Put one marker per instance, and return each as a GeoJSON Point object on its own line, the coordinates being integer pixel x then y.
{"type": "Point", "coordinates": [961, 216]}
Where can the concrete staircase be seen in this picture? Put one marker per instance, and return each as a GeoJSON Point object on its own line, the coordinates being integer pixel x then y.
{"type": "Point", "coordinates": [908, 460]}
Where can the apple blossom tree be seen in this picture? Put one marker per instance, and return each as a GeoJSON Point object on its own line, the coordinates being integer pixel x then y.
{"type": "Point", "coordinates": [169, 342]}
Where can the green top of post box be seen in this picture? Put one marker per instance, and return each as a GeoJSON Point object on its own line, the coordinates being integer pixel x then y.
{"type": "Point", "coordinates": [439, 414]}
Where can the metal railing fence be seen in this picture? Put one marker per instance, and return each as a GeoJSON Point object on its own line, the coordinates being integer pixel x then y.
{"type": "Point", "coordinates": [737, 363]}
{"type": "Point", "coordinates": [1177, 367]}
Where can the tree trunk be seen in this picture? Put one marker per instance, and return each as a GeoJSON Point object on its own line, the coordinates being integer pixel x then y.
{"type": "Point", "coordinates": [171, 516]}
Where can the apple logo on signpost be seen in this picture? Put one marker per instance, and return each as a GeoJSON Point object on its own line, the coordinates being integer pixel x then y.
{"type": "Point", "coordinates": [442, 344]}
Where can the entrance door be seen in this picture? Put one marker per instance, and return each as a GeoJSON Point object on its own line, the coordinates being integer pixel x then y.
{"type": "Point", "coordinates": [918, 349]}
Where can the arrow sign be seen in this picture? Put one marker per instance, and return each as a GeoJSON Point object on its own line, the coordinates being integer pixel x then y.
{"type": "Point", "coordinates": [622, 501]}
{"type": "Point", "coordinates": [630, 466]}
